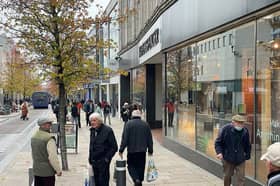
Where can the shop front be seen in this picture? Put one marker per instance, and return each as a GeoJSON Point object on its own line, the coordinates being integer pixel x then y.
{"type": "Point", "coordinates": [211, 79]}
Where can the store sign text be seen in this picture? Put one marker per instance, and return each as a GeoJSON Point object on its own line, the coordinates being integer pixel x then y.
{"type": "Point", "coordinates": [152, 41]}
{"type": "Point", "coordinates": [272, 135]}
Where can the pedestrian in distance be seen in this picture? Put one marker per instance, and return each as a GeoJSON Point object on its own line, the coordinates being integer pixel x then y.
{"type": "Point", "coordinates": [233, 148]}
{"type": "Point", "coordinates": [98, 108]}
{"type": "Point", "coordinates": [137, 138]}
{"type": "Point", "coordinates": [79, 107]}
{"type": "Point", "coordinates": [75, 114]}
{"type": "Point", "coordinates": [44, 155]}
{"type": "Point", "coordinates": [170, 109]}
{"type": "Point", "coordinates": [107, 112]}
{"type": "Point", "coordinates": [89, 109]}
{"type": "Point", "coordinates": [24, 111]}
{"type": "Point", "coordinates": [125, 112]}
{"type": "Point", "coordinates": [102, 148]}
{"type": "Point", "coordinates": [272, 158]}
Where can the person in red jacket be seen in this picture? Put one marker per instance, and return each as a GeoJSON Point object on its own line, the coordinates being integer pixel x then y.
{"type": "Point", "coordinates": [170, 109]}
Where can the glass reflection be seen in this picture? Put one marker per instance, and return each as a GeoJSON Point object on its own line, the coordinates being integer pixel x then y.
{"type": "Point", "coordinates": [180, 99]}
{"type": "Point", "coordinates": [139, 88]}
{"type": "Point", "coordinates": [268, 87]}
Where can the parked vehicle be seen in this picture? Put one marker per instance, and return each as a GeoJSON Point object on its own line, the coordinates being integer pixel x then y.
{"type": "Point", "coordinates": [40, 99]}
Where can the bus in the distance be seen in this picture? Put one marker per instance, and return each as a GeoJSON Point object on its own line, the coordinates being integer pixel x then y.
{"type": "Point", "coordinates": [40, 99]}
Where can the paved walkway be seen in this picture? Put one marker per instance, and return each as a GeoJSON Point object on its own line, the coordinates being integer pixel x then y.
{"type": "Point", "coordinates": [6, 117]}
{"type": "Point", "coordinates": [173, 170]}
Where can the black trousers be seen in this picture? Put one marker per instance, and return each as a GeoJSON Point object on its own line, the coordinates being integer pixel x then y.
{"type": "Point", "coordinates": [101, 171]}
{"type": "Point", "coordinates": [44, 181]}
{"type": "Point", "coordinates": [87, 118]}
{"type": "Point", "coordinates": [170, 118]}
{"type": "Point", "coordinates": [136, 165]}
{"type": "Point", "coordinates": [79, 120]}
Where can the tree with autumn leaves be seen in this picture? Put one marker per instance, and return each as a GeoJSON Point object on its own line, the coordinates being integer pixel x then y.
{"type": "Point", "coordinates": [18, 78]}
{"type": "Point", "coordinates": [53, 33]}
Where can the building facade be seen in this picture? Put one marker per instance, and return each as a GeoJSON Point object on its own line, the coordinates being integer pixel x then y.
{"type": "Point", "coordinates": [212, 63]}
{"type": "Point", "coordinates": [110, 85]}
{"type": "Point", "coordinates": [140, 52]}
{"type": "Point", "coordinates": [106, 88]}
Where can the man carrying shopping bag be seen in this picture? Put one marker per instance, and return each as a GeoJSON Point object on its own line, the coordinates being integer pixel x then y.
{"type": "Point", "coordinates": [137, 137]}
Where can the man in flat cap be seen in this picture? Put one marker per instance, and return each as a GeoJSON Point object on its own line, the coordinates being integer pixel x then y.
{"type": "Point", "coordinates": [233, 148]}
{"type": "Point", "coordinates": [44, 155]}
{"type": "Point", "coordinates": [272, 158]}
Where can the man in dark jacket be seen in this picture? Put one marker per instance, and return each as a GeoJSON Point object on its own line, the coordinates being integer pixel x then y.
{"type": "Point", "coordinates": [272, 158]}
{"type": "Point", "coordinates": [103, 146]}
{"type": "Point", "coordinates": [137, 137]}
{"type": "Point", "coordinates": [233, 148]}
{"type": "Point", "coordinates": [125, 113]}
{"type": "Point", "coordinates": [89, 109]}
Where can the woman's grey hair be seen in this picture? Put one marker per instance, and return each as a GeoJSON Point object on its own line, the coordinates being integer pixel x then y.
{"type": "Point", "coordinates": [97, 116]}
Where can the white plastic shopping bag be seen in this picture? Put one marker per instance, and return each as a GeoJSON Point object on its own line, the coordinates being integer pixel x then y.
{"type": "Point", "coordinates": [152, 173]}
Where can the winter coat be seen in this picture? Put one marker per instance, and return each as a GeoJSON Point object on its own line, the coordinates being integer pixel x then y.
{"type": "Point", "coordinates": [103, 144]}
{"type": "Point", "coordinates": [137, 137]}
{"type": "Point", "coordinates": [234, 151]}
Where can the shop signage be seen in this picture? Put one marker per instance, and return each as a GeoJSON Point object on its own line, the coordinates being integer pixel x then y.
{"type": "Point", "coordinates": [149, 43]}
{"type": "Point", "coordinates": [272, 134]}
{"type": "Point", "coordinates": [91, 85]}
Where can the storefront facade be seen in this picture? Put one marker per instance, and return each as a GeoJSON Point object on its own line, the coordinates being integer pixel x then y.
{"type": "Point", "coordinates": [232, 68]}
{"type": "Point", "coordinates": [212, 63]}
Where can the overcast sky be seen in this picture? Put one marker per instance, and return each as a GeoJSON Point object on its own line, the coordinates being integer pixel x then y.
{"type": "Point", "coordinates": [93, 9]}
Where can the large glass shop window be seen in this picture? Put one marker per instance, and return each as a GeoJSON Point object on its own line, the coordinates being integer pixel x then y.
{"type": "Point", "coordinates": [139, 88]}
{"type": "Point", "coordinates": [268, 87]}
{"type": "Point", "coordinates": [180, 102]}
{"type": "Point", "coordinates": [225, 85]}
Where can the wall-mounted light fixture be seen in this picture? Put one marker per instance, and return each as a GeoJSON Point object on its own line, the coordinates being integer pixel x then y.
{"type": "Point", "coordinates": [235, 53]}
{"type": "Point", "coordinates": [118, 58]}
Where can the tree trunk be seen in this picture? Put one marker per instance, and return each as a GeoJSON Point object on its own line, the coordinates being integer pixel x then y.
{"type": "Point", "coordinates": [62, 121]}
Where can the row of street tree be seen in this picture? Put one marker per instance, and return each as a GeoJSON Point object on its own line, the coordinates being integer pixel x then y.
{"type": "Point", "coordinates": [53, 35]}
{"type": "Point", "coordinates": [17, 78]}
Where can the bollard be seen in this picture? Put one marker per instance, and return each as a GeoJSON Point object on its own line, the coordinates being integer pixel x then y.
{"type": "Point", "coordinates": [121, 172]}
{"type": "Point", "coordinates": [31, 176]}
{"type": "Point", "coordinates": [91, 181]}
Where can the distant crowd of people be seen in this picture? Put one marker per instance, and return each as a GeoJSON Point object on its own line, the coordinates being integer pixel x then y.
{"type": "Point", "coordinates": [104, 108]}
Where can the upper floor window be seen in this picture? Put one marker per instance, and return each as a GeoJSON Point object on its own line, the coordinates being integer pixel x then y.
{"type": "Point", "coordinates": [224, 41]}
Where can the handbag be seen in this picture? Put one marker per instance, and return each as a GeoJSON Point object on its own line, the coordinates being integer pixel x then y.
{"type": "Point", "coordinates": [152, 173]}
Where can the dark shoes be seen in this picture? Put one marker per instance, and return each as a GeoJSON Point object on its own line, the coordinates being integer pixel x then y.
{"type": "Point", "coordinates": [138, 183]}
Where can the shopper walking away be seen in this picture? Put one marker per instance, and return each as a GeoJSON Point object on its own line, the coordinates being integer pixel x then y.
{"type": "Point", "coordinates": [44, 155]}
{"type": "Point", "coordinates": [102, 148]}
{"type": "Point", "coordinates": [125, 112]}
{"type": "Point", "coordinates": [137, 137]}
{"type": "Point", "coordinates": [233, 148]}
